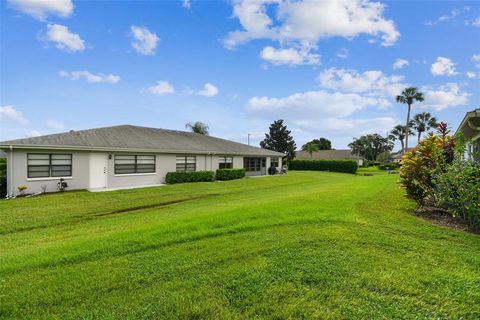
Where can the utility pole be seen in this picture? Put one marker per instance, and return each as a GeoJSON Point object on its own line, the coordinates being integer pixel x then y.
{"type": "Point", "coordinates": [249, 134]}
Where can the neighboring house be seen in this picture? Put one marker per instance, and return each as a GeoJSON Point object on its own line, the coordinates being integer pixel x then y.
{"type": "Point", "coordinates": [329, 155]}
{"type": "Point", "coordinates": [470, 128]}
{"type": "Point", "coordinates": [397, 157]}
{"type": "Point", "coordinates": [123, 156]}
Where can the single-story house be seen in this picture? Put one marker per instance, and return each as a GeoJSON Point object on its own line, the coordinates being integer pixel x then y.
{"type": "Point", "coordinates": [123, 156]}
{"type": "Point", "coordinates": [470, 128]}
{"type": "Point", "coordinates": [345, 154]}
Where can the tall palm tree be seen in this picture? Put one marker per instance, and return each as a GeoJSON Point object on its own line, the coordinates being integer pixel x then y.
{"type": "Point", "coordinates": [198, 127]}
{"type": "Point", "coordinates": [423, 122]}
{"type": "Point", "coordinates": [310, 148]}
{"type": "Point", "coordinates": [408, 96]}
{"type": "Point", "coordinates": [398, 133]}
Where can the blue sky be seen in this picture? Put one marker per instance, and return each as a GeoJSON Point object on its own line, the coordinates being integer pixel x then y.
{"type": "Point", "coordinates": [328, 68]}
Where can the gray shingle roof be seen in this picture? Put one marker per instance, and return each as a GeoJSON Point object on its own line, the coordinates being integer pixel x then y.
{"type": "Point", "coordinates": [127, 137]}
{"type": "Point", "coordinates": [326, 155]}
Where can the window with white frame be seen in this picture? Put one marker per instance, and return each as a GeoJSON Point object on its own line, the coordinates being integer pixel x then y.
{"type": "Point", "coordinates": [274, 161]}
{"type": "Point", "coordinates": [225, 162]}
{"type": "Point", "coordinates": [46, 165]}
{"type": "Point", "coordinates": [130, 164]}
{"type": "Point", "coordinates": [186, 163]}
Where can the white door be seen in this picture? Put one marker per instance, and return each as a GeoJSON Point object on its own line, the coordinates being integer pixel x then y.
{"type": "Point", "coordinates": [98, 170]}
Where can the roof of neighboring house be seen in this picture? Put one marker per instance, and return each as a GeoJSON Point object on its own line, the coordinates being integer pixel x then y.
{"type": "Point", "coordinates": [399, 154]}
{"type": "Point", "coordinates": [470, 124]}
{"type": "Point", "coordinates": [327, 155]}
{"type": "Point", "coordinates": [134, 138]}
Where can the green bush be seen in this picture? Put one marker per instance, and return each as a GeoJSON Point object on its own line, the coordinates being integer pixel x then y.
{"type": "Point", "coordinates": [229, 174]}
{"type": "Point", "coordinates": [194, 176]}
{"type": "Point", "coordinates": [346, 166]}
{"type": "Point", "coordinates": [3, 167]}
{"type": "Point", "coordinates": [388, 166]}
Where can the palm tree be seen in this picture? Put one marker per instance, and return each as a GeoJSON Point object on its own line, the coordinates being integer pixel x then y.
{"type": "Point", "coordinates": [198, 127]}
{"type": "Point", "coordinates": [398, 133]}
{"type": "Point", "coordinates": [423, 122]}
{"type": "Point", "coordinates": [408, 96]}
{"type": "Point", "coordinates": [310, 148]}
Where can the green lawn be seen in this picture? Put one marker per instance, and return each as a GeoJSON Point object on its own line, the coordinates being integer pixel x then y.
{"type": "Point", "coordinates": [303, 245]}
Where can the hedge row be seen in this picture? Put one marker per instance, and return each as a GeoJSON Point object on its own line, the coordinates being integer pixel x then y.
{"type": "Point", "coordinates": [346, 166]}
{"type": "Point", "coordinates": [194, 176]}
{"type": "Point", "coordinates": [204, 176]}
{"type": "Point", "coordinates": [229, 174]}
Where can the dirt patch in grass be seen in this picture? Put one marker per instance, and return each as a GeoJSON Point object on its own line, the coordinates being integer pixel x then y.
{"type": "Point", "coordinates": [444, 218]}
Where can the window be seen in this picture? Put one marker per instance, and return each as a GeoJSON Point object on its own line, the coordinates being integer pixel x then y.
{"type": "Point", "coordinates": [274, 161]}
{"type": "Point", "coordinates": [253, 164]}
{"type": "Point", "coordinates": [225, 162]}
{"type": "Point", "coordinates": [186, 163]}
{"type": "Point", "coordinates": [44, 165]}
{"type": "Point", "coordinates": [128, 164]}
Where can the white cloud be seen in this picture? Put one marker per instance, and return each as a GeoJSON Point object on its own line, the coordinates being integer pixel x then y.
{"type": "Point", "coordinates": [290, 56]}
{"type": "Point", "coordinates": [476, 58]}
{"type": "Point", "coordinates": [304, 23]}
{"type": "Point", "coordinates": [186, 4]}
{"type": "Point", "coordinates": [476, 22]}
{"type": "Point", "coordinates": [33, 133]}
{"type": "Point", "coordinates": [452, 15]}
{"type": "Point", "coordinates": [400, 63]}
{"type": "Point", "coordinates": [444, 96]}
{"type": "Point", "coordinates": [161, 88]}
{"type": "Point", "coordinates": [90, 77]}
{"type": "Point", "coordinates": [471, 74]}
{"type": "Point", "coordinates": [63, 38]}
{"type": "Point", "coordinates": [349, 127]}
{"type": "Point", "coordinates": [372, 82]}
{"type": "Point", "coordinates": [443, 66]}
{"type": "Point", "coordinates": [343, 53]}
{"type": "Point", "coordinates": [41, 9]}
{"type": "Point", "coordinates": [55, 125]}
{"type": "Point", "coordinates": [144, 41]}
{"type": "Point", "coordinates": [209, 90]}
{"type": "Point", "coordinates": [8, 113]}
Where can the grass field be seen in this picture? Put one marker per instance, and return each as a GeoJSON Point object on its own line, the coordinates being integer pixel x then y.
{"type": "Point", "coordinates": [303, 245]}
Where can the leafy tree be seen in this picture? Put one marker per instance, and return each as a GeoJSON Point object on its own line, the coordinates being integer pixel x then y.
{"type": "Point", "coordinates": [198, 127]}
{"type": "Point", "coordinates": [322, 144]}
{"type": "Point", "coordinates": [279, 139]}
{"type": "Point", "coordinates": [370, 146]}
{"type": "Point", "coordinates": [385, 156]}
{"type": "Point", "coordinates": [398, 133]}
{"type": "Point", "coordinates": [310, 148]}
{"type": "Point", "coordinates": [408, 96]}
{"type": "Point", "coordinates": [423, 122]}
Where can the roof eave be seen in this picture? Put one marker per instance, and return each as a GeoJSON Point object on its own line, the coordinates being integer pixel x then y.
{"type": "Point", "coordinates": [471, 114]}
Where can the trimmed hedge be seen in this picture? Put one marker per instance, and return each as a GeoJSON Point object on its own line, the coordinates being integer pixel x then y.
{"type": "Point", "coordinates": [229, 174]}
{"type": "Point", "coordinates": [388, 166]}
{"type": "Point", "coordinates": [346, 166]}
{"type": "Point", "coordinates": [194, 176]}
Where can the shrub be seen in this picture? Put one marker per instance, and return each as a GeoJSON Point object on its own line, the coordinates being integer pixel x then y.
{"type": "Point", "coordinates": [346, 166]}
{"type": "Point", "coordinates": [229, 174]}
{"type": "Point", "coordinates": [62, 185]}
{"type": "Point", "coordinates": [388, 166]}
{"type": "Point", "coordinates": [194, 176]}
{"type": "Point", "coordinates": [421, 164]}
{"type": "Point", "coordinates": [21, 188]}
{"type": "Point", "coordinates": [458, 189]}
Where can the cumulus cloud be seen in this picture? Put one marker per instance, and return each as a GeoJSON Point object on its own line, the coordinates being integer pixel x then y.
{"type": "Point", "coordinates": [371, 82]}
{"type": "Point", "coordinates": [343, 53]}
{"type": "Point", "coordinates": [449, 95]}
{"type": "Point", "coordinates": [41, 9]}
{"type": "Point", "coordinates": [400, 63]}
{"type": "Point", "coordinates": [209, 90]}
{"type": "Point", "coordinates": [9, 113]}
{"type": "Point", "coordinates": [161, 88]}
{"type": "Point", "coordinates": [55, 125]}
{"type": "Point", "coordinates": [304, 23]}
{"type": "Point", "coordinates": [90, 77]}
{"type": "Point", "coordinates": [451, 15]}
{"type": "Point", "coordinates": [471, 74]}
{"type": "Point", "coordinates": [62, 38]}
{"type": "Point", "coordinates": [443, 66]}
{"type": "Point", "coordinates": [186, 4]}
{"type": "Point", "coordinates": [144, 41]}
{"type": "Point", "coordinates": [476, 58]}
{"type": "Point", "coordinates": [289, 56]}
{"type": "Point", "coordinates": [476, 22]}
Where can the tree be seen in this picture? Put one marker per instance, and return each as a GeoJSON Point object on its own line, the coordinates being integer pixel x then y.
{"type": "Point", "coordinates": [370, 146]}
{"type": "Point", "coordinates": [279, 139]}
{"type": "Point", "coordinates": [423, 122]}
{"type": "Point", "coordinates": [310, 148]}
{"type": "Point", "coordinates": [398, 133]}
{"type": "Point", "coordinates": [408, 96]}
{"type": "Point", "coordinates": [198, 127]}
{"type": "Point", "coordinates": [322, 144]}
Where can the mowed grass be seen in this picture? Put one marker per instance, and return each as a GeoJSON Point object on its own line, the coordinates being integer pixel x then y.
{"type": "Point", "coordinates": [303, 245]}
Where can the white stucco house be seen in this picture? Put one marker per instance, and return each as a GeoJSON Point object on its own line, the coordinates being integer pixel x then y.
{"type": "Point", "coordinates": [470, 128]}
{"type": "Point", "coordinates": [123, 156]}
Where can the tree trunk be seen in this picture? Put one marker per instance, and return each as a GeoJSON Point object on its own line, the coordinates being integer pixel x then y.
{"type": "Point", "coordinates": [419, 136]}
{"type": "Point", "coordinates": [403, 146]}
{"type": "Point", "coordinates": [407, 128]}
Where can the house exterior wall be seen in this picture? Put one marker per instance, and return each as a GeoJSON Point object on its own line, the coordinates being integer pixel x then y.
{"type": "Point", "coordinates": [17, 172]}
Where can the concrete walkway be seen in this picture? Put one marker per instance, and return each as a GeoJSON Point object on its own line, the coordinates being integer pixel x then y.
{"type": "Point", "coordinates": [125, 188]}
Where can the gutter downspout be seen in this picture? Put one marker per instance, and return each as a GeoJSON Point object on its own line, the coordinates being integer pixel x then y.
{"type": "Point", "coordinates": [10, 185]}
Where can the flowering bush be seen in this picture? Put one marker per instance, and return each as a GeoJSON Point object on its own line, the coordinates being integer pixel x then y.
{"type": "Point", "coordinates": [21, 188]}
